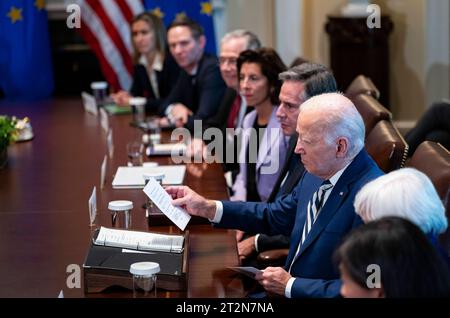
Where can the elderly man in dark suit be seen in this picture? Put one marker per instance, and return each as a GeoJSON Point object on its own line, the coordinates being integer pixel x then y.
{"type": "Point", "coordinates": [233, 107]}
{"type": "Point", "coordinates": [299, 83]}
{"type": "Point", "coordinates": [200, 88]}
{"type": "Point", "coordinates": [318, 213]}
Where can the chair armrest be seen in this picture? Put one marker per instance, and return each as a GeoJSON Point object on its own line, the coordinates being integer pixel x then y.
{"type": "Point", "coordinates": [273, 257]}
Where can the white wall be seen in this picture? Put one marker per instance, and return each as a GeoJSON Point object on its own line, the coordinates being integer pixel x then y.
{"type": "Point", "coordinates": [437, 64]}
{"type": "Point", "coordinates": [288, 29]}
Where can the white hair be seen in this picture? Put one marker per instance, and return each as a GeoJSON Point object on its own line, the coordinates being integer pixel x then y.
{"type": "Point", "coordinates": [406, 193]}
{"type": "Point", "coordinates": [337, 117]}
{"type": "Point", "coordinates": [253, 42]}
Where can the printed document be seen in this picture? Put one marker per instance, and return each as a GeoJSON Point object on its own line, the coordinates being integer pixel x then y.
{"type": "Point", "coordinates": [163, 201]}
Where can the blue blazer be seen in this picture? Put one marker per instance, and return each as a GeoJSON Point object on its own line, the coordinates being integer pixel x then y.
{"type": "Point", "coordinates": [316, 275]}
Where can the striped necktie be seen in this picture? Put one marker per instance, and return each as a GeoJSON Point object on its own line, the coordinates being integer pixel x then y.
{"type": "Point", "coordinates": [313, 210]}
{"type": "Point", "coordinates": [314, 206]}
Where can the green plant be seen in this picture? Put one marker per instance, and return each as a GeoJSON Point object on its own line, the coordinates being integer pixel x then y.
{"type": "Point", "coordinates": [8, 131]}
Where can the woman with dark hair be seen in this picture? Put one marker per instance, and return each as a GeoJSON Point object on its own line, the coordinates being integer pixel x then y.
{"type": "Point", "coordinates": [391, 258]}
{"type": "Point", "coordinates": [155, 71]}
{"type": "Point", "coordinates": [263, 143]}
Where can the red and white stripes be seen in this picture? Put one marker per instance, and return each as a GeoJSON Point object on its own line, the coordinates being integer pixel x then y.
{"type": "Point", "coordinates": [105, 27]}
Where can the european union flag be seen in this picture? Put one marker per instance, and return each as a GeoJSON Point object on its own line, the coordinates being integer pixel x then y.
{"type": "Point", "coordinates": [198, 10]}
{"type": "Point", "coordinates": [25, 59]}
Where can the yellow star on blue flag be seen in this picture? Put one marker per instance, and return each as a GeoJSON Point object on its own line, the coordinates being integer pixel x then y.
{"type": "Point", "coordinates": [15, 14]}
{"type": "Point", "coordinates": [25, 57]}
{"type": "Point", "coordinates": [40, 4]}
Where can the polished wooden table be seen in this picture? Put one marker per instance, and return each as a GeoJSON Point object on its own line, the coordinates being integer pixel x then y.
{"type": "Point", "coordinates": [44, 219]}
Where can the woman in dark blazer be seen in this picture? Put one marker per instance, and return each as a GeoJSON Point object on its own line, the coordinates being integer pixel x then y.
{"type": "Point", "coordinates": [155, 71]}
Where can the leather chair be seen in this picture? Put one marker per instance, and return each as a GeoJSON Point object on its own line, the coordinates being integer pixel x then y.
{"type": "Point", "coordinates": [371, 111]}
{"type": "Point", "coordinates": [362, 85]}
{"type": "Point", "coordinates": [434, 160]}
{"type": "Point", "coordinates": [386, 146]}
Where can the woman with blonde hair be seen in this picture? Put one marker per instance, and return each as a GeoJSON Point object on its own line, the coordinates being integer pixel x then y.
{"type": "Point", "coordinates": [155, 71]}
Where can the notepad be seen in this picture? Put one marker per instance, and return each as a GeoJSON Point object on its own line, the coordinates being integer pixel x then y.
{"type": "Point", "coordinates": [141, 241]}
{"type": "Point", "coordinates": [131, 177]}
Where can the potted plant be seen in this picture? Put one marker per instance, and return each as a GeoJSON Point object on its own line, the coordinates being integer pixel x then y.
{"type": "Point", "coordinates": [8, 134]}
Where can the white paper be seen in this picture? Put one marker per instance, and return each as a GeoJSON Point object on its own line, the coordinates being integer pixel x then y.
{"type": "Point", "coordinates": [247, 270]}
{"type": "Point", "coordinates": [110, 144]}
{"type": "Point", "coordinates": [93, 206]}
{"type": "Point", "coordinates": [132, 177]}
{"type": "Point", "coordinates": [163, 201]}
{"type": "Point", "coordinates": [136, 240]}
{"type": "Point", "coordinates": [104, 120]}
{"type": "Point", "coordinates": [103, 173]}
{"type": "Point", "coordinates": [61, 294]}
{"type": "Point", "coordinates": [89, 103]}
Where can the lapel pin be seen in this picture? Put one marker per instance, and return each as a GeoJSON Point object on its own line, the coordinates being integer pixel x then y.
{"type": "Point", "coordinates": [341, 194]}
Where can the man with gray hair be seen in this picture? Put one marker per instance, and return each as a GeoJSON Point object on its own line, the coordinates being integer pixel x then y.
{"type": "Point", "coordinates": [299, 84]}
{"type": "Point", "coordinates": [233, 108]}
{"type": "Point", "coordinates": [318, 213]}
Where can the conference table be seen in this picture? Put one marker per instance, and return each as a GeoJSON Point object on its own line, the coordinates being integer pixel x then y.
{"type": "Point", "coordinates": [44, 219]}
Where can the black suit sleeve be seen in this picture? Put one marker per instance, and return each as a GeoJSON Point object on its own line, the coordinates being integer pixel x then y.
{"type": "Point", "coordinates": [210, 90]}
{"type": "Point", "coordinates": [220, 119]}
{"type": "Point", "coordinates": [176, 94]}
{"type": "Point", "coordinates": [266, 242]}
{"type": "Point", "coordinates": [167, 80]}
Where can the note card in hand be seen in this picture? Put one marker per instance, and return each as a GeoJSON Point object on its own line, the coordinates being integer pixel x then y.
{"type": "Point", "coordinates": [163, 201]}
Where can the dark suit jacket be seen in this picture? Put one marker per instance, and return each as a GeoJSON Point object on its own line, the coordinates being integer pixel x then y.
{"type": "Point", "coordinates": [316, 275]}
{"type": "Point", "coordinates": [201, 93]}
{"type": "Point", "coordinates": [166, 81]}
{"type": "Point", "coordinates": [296, 170]}
{"type": "Point", "coordinates": [220, 121]}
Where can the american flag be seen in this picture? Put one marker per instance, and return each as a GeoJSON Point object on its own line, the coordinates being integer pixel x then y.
{"type": "Point", "coordinates": [105, 26]}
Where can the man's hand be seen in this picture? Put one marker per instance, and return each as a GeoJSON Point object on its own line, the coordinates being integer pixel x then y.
{"type": "Point", "coordinates": [274, 280]}
{"type": "Point", "coordinates": [180, 114]}
{"type": "Point", "coordinates": [192, 202]}
{"type": "Point", "coordinates": [246, 247]}
{"type": "Point", "coordinates": [121, 98]}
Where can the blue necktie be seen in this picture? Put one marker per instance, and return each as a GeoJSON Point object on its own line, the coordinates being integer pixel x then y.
{"type": "Point", "coordinates": [313, 210]}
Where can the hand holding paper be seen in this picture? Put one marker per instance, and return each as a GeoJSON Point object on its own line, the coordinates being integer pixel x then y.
{"type": "Point", "coordinates": [193, 202]}
{"type": "Point", "coordinates": [163, 201]}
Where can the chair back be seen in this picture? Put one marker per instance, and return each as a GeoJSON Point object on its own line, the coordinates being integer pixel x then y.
{"type": "Point", "coordinates": [434, 160]}
{"type": "Point", "coordinates": [371, 111]}
{"type": "Point", "coordinates": [362, 85]}
{"type": "Point", "coordinates": [386, 146]}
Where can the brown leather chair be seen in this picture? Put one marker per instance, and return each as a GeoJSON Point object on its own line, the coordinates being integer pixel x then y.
{"type": "Point", "coordinates": [434, 160]}
{"type": "Point", "coordinates": [362, 85]}
{"type": "Point", "coordinates": [386, 146]}
{"type": "Point", "coordinates": [371, 111]}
